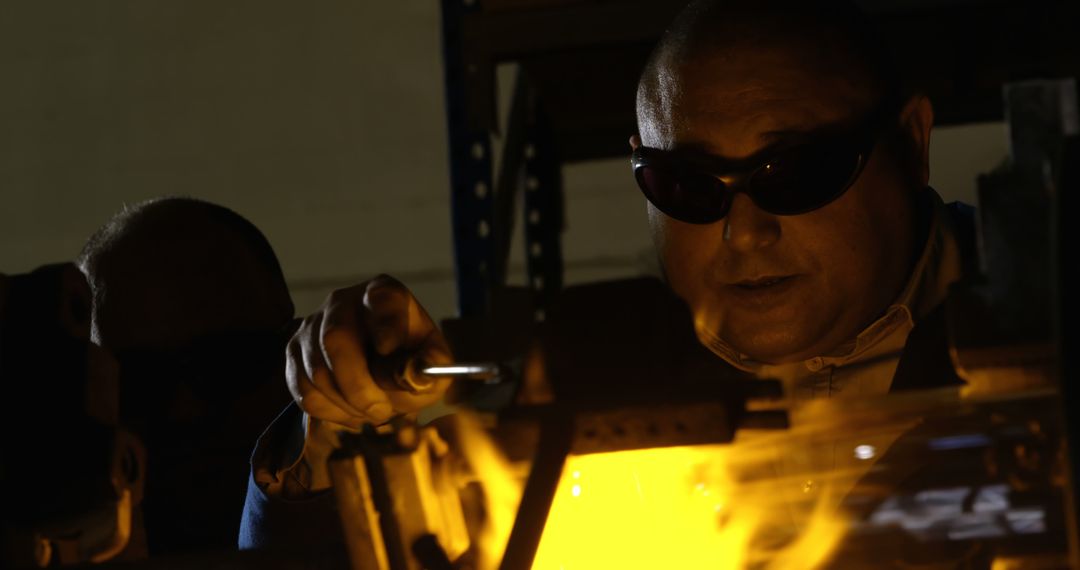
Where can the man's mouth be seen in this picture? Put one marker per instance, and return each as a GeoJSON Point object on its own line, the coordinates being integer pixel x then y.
{"type": "Point", "coordinates": [762, 282]}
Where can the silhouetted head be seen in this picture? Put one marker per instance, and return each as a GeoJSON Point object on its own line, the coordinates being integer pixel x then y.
{"type": "Point", "coordinates": [169, 271]}
{"type": "Point", "coordinates": [191, 299]}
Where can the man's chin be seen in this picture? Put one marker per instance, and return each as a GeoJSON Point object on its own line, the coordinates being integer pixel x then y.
{"type": "Point", "coordinates": [771, 345]}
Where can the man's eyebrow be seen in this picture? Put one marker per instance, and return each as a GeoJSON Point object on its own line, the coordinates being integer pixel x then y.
{"type": "Point", "coordinates": [775, 141]}
{"type": "Point", "coordinates": [801, 134]}
{"type": "Point", "coordinates": [780, 137]}
{"type": "Point", "coordinates": [696, 151]}
{"type": "Point", "coordinates": [774, 144]}
{"type": "Point", "coordinates": [784, 134]}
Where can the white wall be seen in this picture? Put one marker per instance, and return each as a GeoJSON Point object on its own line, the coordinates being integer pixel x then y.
{"type": "Point", "coordinates": [320, 121]}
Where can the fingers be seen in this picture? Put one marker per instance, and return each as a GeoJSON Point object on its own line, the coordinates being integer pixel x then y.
{"type": "Point", "coordinates": [344, 348]}
{"type": "Point", "coordinates": [398, 323]}
{"type": "Point", "coordinates": [387, 306]}
{"type": "Point", "coordinates": [316, 388]}
{"type": "Point", "coordinates": [310, 398]}
{"type": "Point", "coordinates": [332, 359]}
{"type": "Point", "coordinates": [316, 367]}
{"type": "Point", "coordinates": [399, 326]}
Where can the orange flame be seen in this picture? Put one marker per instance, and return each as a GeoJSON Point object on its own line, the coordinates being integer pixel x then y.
{"type": "Point", "coordinates": [711, 506]}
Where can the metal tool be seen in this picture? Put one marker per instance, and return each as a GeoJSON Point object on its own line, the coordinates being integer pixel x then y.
{"type": "Point", "coordinates": [488, 372]}
{"type": "Point", "coordinates": [418, 376]}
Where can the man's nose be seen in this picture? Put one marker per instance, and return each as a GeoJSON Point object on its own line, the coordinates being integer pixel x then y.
{"type": "Point", "coordinates": [747, 227]}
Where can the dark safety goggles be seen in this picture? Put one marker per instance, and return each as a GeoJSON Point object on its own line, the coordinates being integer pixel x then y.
{"type": "Point", "coordinates": [699, 189]}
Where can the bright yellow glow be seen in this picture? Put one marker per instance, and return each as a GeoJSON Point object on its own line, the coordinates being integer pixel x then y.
{"type": "Point", "coordinates": [502, 486]}
{"type": "Point", "coordinates": [763, 503]}
{"type": "Point", "coordinates": [678, 507]}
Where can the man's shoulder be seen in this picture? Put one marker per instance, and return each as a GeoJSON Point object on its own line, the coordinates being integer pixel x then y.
{"type": "Point", "coordinates": [925, 361]}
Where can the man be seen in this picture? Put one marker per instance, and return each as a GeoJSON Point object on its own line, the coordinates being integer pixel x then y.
{"type": "Point", "coordinates": [832, 248]}
{"type": "Point", "coordinates": [191, 300]}
{"type": "Point", "coordinates": [786, 182]}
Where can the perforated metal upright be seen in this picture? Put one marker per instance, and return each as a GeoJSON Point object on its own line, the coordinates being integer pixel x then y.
{"type": "Point", "coordinates": [470, 171]}
{"type": "Point", "coordinates": [483, 214]}
{"type": "Point", "coordinates": [543, 204]}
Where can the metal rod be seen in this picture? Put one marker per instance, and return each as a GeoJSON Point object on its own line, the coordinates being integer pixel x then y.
{"type": "Point", "coordinates": [486, 371]}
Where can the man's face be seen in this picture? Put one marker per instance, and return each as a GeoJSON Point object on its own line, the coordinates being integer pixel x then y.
{"type": "Point", "coordinates": [779, 288]}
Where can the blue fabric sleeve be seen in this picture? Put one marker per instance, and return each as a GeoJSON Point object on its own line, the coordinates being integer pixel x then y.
{"type": "Point", "coordinates": [278, 523]}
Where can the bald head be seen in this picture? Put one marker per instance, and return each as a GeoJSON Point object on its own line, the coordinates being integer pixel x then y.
{"type": "Point", "coordinates": [168, 271]}
{"type": "Point", "coordinates": [824, 41]}
{"type": "Point", "coordinates": [756, 84]}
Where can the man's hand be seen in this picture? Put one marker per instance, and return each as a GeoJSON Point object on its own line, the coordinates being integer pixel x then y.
{"type": "Point", "coordinates": [341, 363]}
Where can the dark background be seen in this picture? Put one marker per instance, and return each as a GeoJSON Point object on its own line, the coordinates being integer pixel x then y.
{"type": "Point", "coordinates": [322, 122]}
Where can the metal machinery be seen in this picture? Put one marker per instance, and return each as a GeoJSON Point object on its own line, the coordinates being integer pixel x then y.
{"type": "Point", "coordinates": [971, 477]}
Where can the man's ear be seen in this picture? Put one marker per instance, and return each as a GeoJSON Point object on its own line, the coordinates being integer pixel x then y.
{"type": "Point", "coordinates": [635, 142]}
{"type": "Point", "coordinates": [916, 121]}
